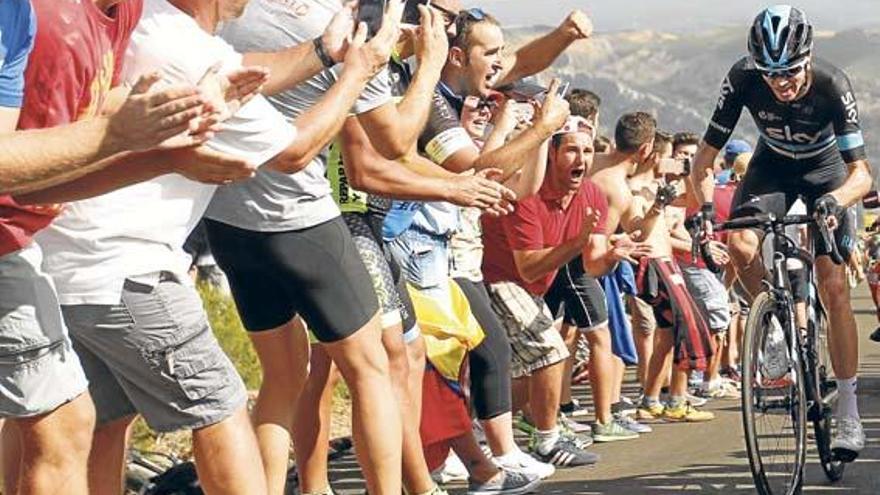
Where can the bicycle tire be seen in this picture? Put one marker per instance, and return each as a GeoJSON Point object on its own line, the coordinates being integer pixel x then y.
{"type": "Point", "coordinates": [764, 306]}
{"type": "Point", "coordinates": [831, 466]}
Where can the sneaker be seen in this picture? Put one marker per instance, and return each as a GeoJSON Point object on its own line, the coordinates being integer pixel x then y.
{"type": "Point", "coordinates": [524, 463]}
{"type": "Point", "coordinates": [875, 335]}
{"type": "Point", "coordinates": [451, 470]}
{"type": "Point", "coordinates": [566, 453]}
{"type": "Point", "coordinates": [631, 424]}
{"type": "Point", "coordinates": [849, 440]}
{"type": "Point", "coordinates": [724, 391]}
{"type": "Point", "coordinates": [582, 440]}
{"type": "Point", "coordinates": [572, 425]}
{"type": "Point", "coordinates": [774, 363]}
{"type": "Point", "coordinates": [612, 432]}
{"type": "Point", "coordinates": [695, 400]}
{"type": "Point", "coordinates": [574, 409]}
{"type": "Point", "coordinates": [626, 407]}
{"type": "Point", "coordinates": [733, 374]}
{"type": "Point", "coordinates": [507, 483]}
{"type": "Point", "coordinates": [650, 413]}
{"type": "Point", "coordinates": [686, 412]}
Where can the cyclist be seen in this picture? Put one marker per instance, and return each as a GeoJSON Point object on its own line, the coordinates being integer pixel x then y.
{"type": "Point", "coordinates": [810, 144]}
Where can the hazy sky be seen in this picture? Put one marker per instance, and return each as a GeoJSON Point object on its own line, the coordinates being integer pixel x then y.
{"type": "Point", "coordinates": [677, 15]}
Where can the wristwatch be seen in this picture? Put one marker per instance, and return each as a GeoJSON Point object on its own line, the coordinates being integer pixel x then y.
{"type": "Point", "coordinates": [325, 58]}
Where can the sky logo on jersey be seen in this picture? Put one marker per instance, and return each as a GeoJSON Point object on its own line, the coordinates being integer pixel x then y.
{"type": "Point", "coordinates": [726, 90]}
{"type": "Point", "coordinates": [785, 134]}
{"type": "Point", "coordinates": [850, 109]}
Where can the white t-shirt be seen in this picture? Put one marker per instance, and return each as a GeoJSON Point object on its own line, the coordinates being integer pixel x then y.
{"type": "Point", "coordinates": [138, 231]}
{"type": "Point", "coordinates": [274, 201]}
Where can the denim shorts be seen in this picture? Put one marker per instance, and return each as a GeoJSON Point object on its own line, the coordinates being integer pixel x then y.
{"type": "Point", "coordinates": [155, 354]}
{"type": "Point", "coordinates": [38, 369]}
{"type": "Point", "coordinates": [423, 258]}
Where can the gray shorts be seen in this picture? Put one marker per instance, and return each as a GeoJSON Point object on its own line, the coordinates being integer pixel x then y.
{"type": "Point", "coordinates": [38, 369]}
{"type": "Point", "coordinates": [534, 339]}
{"type": "Point", "coordinates": [155, 354]}
{"type": "Point", "coordinates": [710, 295]}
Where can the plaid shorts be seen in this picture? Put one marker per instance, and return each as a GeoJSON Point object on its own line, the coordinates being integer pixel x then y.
{"type": "Point", "coordinates": [534, 339]}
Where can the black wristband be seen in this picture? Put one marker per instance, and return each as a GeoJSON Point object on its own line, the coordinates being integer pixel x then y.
{"type": "Point", "coordinates": [325, 58]}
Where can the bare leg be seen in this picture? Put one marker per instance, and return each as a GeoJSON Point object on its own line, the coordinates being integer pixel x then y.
{"type": "Point", "coordinates": [843, 337]}
{"type": "Point", "coordinates": [376, 420]}
{"type": "Point", "coordinates": [657, 374]}
{"type": "Point", "coordinates": [227, 457]}
{"type": "Point", "coordinates": [11, 456]}
{"type": "Point", "coordinates": [284, 357]}
{"type": "Point", "coordinates": [601, 372]}
{"type": "Point", "coordinates": [746, 258]}
{"type": "Point", "coordinates": [645, 349]}
{"type": "Point", "coordinates": [55, 449]}
{"type": "Point", "coordinates": [617, 383]}
{"type": "Point", "coordinates": [107, 459]}
{"type": "Point", "coordinates": [544, 389]}
{"type": "Point", "coordinates": [416, 477]}
{"type": "Point", "coordinates": [499, 434]}
{"type": "Point", "coordinates": [478, 465]}
{"type": "Point", "coordinates": [570, 336]}
{"type": "Point", "coordinates": [312, 432]}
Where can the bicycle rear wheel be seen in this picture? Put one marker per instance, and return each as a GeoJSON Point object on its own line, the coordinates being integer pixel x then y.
{"type": "Point", "coordinates": [773, 400]}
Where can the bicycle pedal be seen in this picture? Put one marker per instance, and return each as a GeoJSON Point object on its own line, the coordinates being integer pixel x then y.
{"type": "Point", "coordinates": [844, 455]}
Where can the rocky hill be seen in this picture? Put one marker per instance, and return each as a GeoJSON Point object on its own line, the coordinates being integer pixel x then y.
{"type": "Point", "coordinates": [678, 76]}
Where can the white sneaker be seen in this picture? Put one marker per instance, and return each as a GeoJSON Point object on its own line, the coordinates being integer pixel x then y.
{"type": "Point", "coordinates": [452, 470]}
{"type": "Point", "coordinates": [524, 463]}
{"type": "Point", "coordinates": [849, 440]}
{"type": "Point", "coordinates": [774, 364]}
{"type": "Point", "coordinates": [572, 425]}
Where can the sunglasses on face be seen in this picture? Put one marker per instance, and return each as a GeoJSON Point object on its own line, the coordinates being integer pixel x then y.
{"type": "Point", "coordinates": [477, 103]}
{"type": "Point", "coordinates": [449, 16]}
{"type": "Point", "coordinates": [783, 73]}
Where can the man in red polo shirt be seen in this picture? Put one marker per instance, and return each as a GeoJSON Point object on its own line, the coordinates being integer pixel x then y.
{"type": "Point", "coordinates": [523, 252]}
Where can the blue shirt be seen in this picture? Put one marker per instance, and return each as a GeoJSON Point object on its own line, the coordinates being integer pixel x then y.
{"type": "Point", "coordinates": [18, 27]}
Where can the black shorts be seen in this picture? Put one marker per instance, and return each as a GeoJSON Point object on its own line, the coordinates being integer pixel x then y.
{"type": "Point", "coordinates": [385, 273]}
{"type": "Point", "coordinates": [315, 272]}
{"type": "Point", "coordinates": [577, 298]}
{"type": "Point", "coordinates": [774, 182]}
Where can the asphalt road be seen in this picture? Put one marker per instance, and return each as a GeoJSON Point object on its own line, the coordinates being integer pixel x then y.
{"type": "Point", "coordinates": [702, 458]}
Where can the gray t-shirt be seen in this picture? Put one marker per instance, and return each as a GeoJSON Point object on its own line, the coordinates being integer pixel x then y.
{"type": "Point", "coordinates": [273, 201]}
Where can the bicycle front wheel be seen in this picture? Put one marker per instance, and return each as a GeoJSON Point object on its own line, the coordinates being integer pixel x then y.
{"type": "Point", "coordinates": [773, 399]}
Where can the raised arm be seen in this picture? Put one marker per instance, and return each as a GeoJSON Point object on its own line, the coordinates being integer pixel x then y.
{"type": "Point", "coordinates": [323, 121]}
{"type": "Point", "coordinates": [395, 128]}
{"type": "Point", "coordinates": [540, 53]}
{"type": "Point", "coordinates": [296, 64]}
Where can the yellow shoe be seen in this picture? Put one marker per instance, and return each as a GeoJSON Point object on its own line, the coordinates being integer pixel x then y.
{"type": "Point", "coordinates": [685, 412]}
{"type": "Point", "coordinates": [650, 413]}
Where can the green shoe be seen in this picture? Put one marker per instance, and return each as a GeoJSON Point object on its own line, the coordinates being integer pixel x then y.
{"type": "Point", "coordinates": [612, 432]}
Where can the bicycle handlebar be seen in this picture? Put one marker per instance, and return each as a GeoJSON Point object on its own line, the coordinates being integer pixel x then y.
{"type": "Point", "coordinates": [763, 221]}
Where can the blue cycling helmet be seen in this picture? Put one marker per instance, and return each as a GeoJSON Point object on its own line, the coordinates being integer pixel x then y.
{"type": "Point", "coordinates": [781, 37]}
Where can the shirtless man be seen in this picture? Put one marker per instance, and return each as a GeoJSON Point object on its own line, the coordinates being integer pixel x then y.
{"type": "Point", "coordinates": [659, 278]}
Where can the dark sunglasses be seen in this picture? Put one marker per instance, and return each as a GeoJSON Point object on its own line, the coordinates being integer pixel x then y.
{"type": "Point", "coordinates": [783, 73]}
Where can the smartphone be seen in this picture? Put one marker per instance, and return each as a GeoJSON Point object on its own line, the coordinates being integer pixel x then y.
{"type": "Point", "coordinates": [562, 91]}
{"type": "Point", "coordinates": [671, 166]}
{"type": "Point", "coordinates": [371, 12]}
{"type": "Point", "coordinates": [411, 14]}
{"type": "Point", "coordinates": [523, 92]}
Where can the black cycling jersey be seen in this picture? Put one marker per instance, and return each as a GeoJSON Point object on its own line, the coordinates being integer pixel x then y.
{"type": "Point", "coordinates": [800, 130]}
